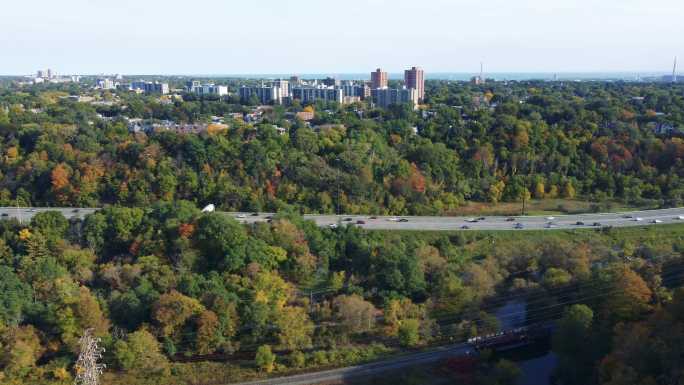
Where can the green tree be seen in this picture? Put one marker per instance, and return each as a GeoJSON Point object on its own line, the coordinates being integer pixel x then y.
{"type": "Point", "coordinates": [294, 328]}
{"type": "Point", "coordinates": [265, 359]}
{"type": "Point", "coordinates": [21, 348]}
{"type": "Point", "coordinates": [572, 341]}
{"type": "Point", "coordinates": [409, 332]}
{"type": "Point", "coordinates": [16, 296]}
{"type": "Point", "coordinates": [222, 241]}
{"type": "Point", "coordinates": [140, 353]}
{"type": "Point", "coordinates": [51, 224]}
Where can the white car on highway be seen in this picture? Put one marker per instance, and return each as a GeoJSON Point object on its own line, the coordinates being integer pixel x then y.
{"type": "Point", "coordinates": [241, 216]}
{"type": "Point", "coordinates": [638, 219]}
{"type": "Point", "coordinates": [550, 218]}
{"type": "Point", "coordinates": [681, 217]}
{"type": "Point", "coordinates": [393, 219]}
{"type": "Point", "coordinates": [333, 225]}
{"type": "Point", "coordinates": [656, 221]}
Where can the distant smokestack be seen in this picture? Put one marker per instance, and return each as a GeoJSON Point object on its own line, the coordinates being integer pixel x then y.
{"type": "Point", "coordinates": [674, 71]}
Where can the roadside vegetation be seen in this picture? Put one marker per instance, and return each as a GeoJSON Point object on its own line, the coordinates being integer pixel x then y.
{"type": "Point", "coordinates": [468, 148]}
{"type": "Point", "coordinates": [175, 293]}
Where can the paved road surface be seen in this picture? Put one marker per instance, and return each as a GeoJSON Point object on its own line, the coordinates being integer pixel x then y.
{"type": "Point", "coordinates": [338, 375]}
{"type": "Point", "coordinates": [24, 214]}
{"type": "Point", "coordinates": [632, 218]}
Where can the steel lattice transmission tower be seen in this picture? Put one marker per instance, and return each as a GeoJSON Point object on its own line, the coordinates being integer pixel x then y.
{"type": "Point", "coordinates": [87, 368]}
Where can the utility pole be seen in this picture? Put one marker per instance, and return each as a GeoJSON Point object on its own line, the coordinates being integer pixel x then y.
{"type": "Point", "coordinates": [337, 161]}
{"type": "Point", "coordinates": [88, 370]}
{"type": "Point", "coordinates": [524, 197]}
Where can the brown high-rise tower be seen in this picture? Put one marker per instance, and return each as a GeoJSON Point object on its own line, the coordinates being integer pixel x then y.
{"type": "Point", "coordinates": [378, 79]}
{"type": "Point", "coordinates": [415, 78]}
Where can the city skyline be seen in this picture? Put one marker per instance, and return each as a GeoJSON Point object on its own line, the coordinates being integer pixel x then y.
{"type": "Point", "coordinates": [85, 37]}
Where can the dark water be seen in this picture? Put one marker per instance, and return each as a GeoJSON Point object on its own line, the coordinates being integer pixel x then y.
{"type": "Point", "coordinates": [629, 76]}
{"type": "Point", "coordinates": [536, 362]}
{"type": "Point", "coordinates": [537, 371]}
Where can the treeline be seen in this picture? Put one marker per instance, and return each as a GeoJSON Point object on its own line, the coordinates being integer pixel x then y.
{"type": "Point", "coordinates": [169, 284]}
{"type": "Point", "coordinates": [499, 142]}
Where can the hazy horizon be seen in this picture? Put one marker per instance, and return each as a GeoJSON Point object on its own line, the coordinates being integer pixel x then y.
{"type": "Point", "coordinates": [308, 36]}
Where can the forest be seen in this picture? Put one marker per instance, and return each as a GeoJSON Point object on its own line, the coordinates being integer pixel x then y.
{"type": "Point", "coordinates": [176, 295]}
{"type": "Point", "coordinates": [500, 142]}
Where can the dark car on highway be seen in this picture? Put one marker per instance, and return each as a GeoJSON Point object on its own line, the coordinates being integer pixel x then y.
{"type": "Point", "coordinates": [465, 227]}
{"type": "Point", "coordinates": [360, 222]}
{"type": "Point", "coordinates": [347, 219]}
{"type": "Point", "coordinates": [403, 220]}
{"type": "Point", "coordinates": [579, 223]}
{"type": "Point", "coordinates": [519, 226]}
{"type": "Point", "coordinates": [511, 219]}
{"type": "Point", "coordinates": [596, 224]}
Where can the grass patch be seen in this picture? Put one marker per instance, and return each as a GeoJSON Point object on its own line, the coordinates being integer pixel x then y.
{"type": "Point", "coordinates": [542, 207]}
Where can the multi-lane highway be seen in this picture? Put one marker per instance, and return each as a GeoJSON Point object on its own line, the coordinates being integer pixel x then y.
{"type": "Point", "coordinates": [623, 219]}
{"type": "Point", "coordinates": [339, 375]}
{"type": "Point", "coordinates": [518, 223]}
{"type": "Point", "coordinates": [24, 214]}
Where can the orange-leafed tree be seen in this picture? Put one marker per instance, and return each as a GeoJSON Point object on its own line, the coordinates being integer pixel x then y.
{"type": "Point", "coordinates": [59, 178]}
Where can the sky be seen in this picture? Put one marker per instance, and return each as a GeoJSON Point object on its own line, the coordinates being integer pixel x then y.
{"type": "Point", "coordinates": [339, 36]}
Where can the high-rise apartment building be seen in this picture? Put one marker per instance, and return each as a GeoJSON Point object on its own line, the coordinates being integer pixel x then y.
{"type": "Point", "coordinates": [378, 79]}
{"type": "Point", "coordinates": [415, 78]}
{"type": "Point", "coordinates": [312, 94]}
{"type": "Point", "coordinates": [284, 86]}
{"type": "Point", "coordinates": [263, 94]}
{"type": "Point", "coordinates": [360, 90]}
{"type": "Point", "coordinates": [384, 97]}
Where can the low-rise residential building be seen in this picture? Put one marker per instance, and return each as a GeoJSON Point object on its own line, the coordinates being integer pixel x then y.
{"type": "Point", "coordinates": [305, 115]}
{"type": "Point", "coordinates": [105, 84]}
{"type": "Point", "coordinates": [150, 87]}
{"type": "Point", "coordinates": [141, 125]}
{"type": "Point", "coordinates": [207, 89]}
